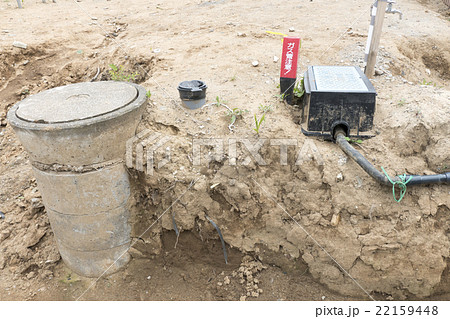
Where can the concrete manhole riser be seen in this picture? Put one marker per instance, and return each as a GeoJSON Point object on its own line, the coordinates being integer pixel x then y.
{"type": "Point", "coordinates": [76, 138]}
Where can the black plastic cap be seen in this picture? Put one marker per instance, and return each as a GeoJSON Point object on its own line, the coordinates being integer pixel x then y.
{"type": "Point", "coordinates": [192, 90]}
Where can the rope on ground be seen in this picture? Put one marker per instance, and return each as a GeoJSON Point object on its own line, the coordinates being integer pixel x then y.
{"type": "Point", "coordinates": [401, 184]}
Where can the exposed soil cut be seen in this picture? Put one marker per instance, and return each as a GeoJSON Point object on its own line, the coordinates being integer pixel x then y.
{"type": "Point", "coordinates": [273, 214]}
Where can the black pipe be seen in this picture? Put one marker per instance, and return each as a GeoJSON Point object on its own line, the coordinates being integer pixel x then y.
{"type": "Point", "coordinates": [379, 176]}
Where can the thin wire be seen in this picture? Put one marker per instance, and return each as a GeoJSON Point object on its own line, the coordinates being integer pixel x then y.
{"type": "Point", "coordinates": [315, 241]}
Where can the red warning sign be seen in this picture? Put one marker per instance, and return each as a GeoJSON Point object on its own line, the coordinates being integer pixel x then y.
{"type": "Point", "coordinates": [290, 57]}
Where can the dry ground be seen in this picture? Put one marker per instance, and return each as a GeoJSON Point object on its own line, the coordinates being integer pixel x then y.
{"type": "Point", "coordinates": [170, 41]}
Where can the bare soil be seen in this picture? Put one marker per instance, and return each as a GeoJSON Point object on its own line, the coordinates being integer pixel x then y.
{"type": "Point", "coordinates": [395, 251]}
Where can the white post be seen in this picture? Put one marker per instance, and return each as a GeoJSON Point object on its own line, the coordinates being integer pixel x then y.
{"type": "Point", "coordinates": [373, 41]}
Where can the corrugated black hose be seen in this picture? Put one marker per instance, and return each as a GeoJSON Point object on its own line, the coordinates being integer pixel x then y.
{"type": "Point", "coordinates": [379, 176]}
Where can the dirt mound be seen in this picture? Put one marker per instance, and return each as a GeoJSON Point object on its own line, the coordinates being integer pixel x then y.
{"type": "Point", "coordinates": [45, 66]}
{"type": "Point", "coordinates": [440, 6]}
{"type": "Point", "coordinates": [426, 60]}
{"type": "Point", "coordinates": [370, 239]}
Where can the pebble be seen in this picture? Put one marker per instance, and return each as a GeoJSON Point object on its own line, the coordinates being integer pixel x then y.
{"type": "Point", "coordinates": [379, 72]}
{"type": "Point", "coordinates": [359, 182]}
{"type": "Point", "coordinates": [226, 280]}
{"type": "Point", "coordinates": [335, 220]}
{"type": "Point", "coordinates": [46, 274]}
{"type": "Point", "coordinates": [342, 160]}
{"type": "Point", "coordinates": [2, 216]}
{"type": "Point", "coordinates": [149, 277]}
{"type": "Point", "coordinates": [255, 63]}
{"type": "Point", "coordinates": [241, 34]}
{"type": "Point", "coordinates": [94, 18]}
{"type": "Point", "coordinates": [291, 29]}
{"type": "Point", "coordinates": [4, 235]}
{"type": "Point", "coordinates": [19, 44]}
{"type": "Point", "coordinates": [339, 177]}
{"type": "Point", "coordinates": [275, 59]}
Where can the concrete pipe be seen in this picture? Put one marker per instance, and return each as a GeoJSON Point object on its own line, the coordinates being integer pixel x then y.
{"type": "Point", "coordinates": [75, 136]}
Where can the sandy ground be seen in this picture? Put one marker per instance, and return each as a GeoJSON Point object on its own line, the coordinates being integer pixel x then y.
{"type": "Point", "coordinates": [217, 41]}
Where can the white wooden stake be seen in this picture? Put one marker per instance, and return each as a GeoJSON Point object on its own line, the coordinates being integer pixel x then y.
{"type": "Point", "coordinates": [374, 38]}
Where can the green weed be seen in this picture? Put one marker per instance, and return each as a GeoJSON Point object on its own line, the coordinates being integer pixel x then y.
{"type": "Point", "coordinates": [118, 73]}
{"type": "Point", "coordinates": [401, 102]}
{"type": "Point", "coordinates": [235, 113]}
{"type": "Point", "coordinates": [430, 83]}
{"type": "Point", "coordinates": [220, 102]}
{"type": "Point", "coordinates": [299, 90]}
{"type": "Point", "coordinates": [279, 97]}
{"type": "Point", "coordinates": [265, 108]}
{"type": "Point", "coordinates": [258, 123]}
{"type": "Point", "coordinates": [351, 140]}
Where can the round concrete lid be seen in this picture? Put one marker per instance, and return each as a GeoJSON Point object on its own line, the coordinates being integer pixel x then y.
{"type": "Point", "coordinates": [76, 102]}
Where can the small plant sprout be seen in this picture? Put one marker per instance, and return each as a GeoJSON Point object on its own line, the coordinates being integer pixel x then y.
{"type": "Point", "coordinates": [148, 94]}
{"type": "Point", "coordinates": [401, 102]}
{"type": "Point", "coordinates": [350, 140]}
{"type": "Point", "coordinates": [118, 73]}
{"type": "Point", "coordinates": [430, 83]}
{"type": "Point", "coordinates": [258, 123]}
{"type": "Point", "coordinates": [279, 97]}
{"type": "Point", "coordinates": [265, 108]}
{"type": "Point", "coordinates": [234, 114]}
{"type": "Point", "coordinates": [219, 102]}
{"type": "Point", "coordinates": [299, 89]}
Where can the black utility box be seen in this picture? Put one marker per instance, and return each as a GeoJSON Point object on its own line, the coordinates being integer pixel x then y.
{"type": "Point", "coordinates": [337, 96]}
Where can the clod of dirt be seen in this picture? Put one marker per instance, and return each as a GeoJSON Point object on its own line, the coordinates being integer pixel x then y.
{"type": "Point", "coordinates": [248, 270]}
